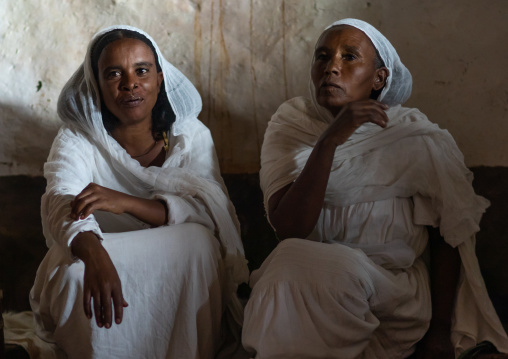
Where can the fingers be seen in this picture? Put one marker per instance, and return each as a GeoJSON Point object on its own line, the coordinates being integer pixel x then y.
{"type": "Point", "coordinates": [359, 112]}
{"type": "Point", "coordinates": [87, 305]}
{"type": "Point", "coordinates": [86, 202]}
{"type": "Point", "coordinates": [97, 309]}
{"type": "Point", "coordinates": [119, 303]}
{"type": "Point", "coordinates": [106, 310]}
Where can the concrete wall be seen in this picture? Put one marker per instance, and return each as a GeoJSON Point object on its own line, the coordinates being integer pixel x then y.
{"type": "Point", "coordinates": [247, 56]}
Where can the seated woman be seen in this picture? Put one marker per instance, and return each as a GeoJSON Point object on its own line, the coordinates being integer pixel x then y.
{"type": "Point", "coordinates": [138, 222]}
{"type": "Point", "coordinates": [356, 186]}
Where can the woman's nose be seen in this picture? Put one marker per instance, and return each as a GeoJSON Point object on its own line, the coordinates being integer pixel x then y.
{"type": "Point", "coordinates": [333, 67]}
{"type": "Point", "coordinates": [129, 82]}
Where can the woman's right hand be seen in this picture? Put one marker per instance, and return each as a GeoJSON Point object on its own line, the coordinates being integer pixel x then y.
{"type": "Point", "coordinates": [352, 116]}
{"type": "Point", "coordinates": [101, 281]}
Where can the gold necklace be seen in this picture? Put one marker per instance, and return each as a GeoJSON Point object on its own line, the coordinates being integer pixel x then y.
{"type": "Point", "coordinates": [147, 152]}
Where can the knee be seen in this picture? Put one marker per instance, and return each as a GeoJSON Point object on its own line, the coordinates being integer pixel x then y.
{"type": "Point", "coordinates": [331, 265]}
{"type": "Point", "coordinates": [198, 245]}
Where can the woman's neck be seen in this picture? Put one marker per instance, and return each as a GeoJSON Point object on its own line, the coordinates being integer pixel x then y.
{"type": "Point", "coordinates": [136, 139]}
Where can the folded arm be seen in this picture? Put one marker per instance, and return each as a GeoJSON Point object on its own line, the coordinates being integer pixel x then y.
{"type": "Point", "coordinates": [295, 208]}
{"type": "Point", "coordinates": [95, 197]}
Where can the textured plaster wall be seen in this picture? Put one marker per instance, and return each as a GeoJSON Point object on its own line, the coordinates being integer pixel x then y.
{"type": "Point", "coordinates": [247, 56]}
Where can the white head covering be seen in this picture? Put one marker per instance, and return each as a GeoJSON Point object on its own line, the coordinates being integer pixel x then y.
{"type": "Point", "coordinates": [190, 168]}
{"type": "Point", "coordinates": [79, 101]}
{"type": "Point", "coordinates": [399, 82]}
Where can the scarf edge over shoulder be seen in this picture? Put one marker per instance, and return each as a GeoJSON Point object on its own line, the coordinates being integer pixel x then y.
{"type": "Point", "coordinates": [294, 129]}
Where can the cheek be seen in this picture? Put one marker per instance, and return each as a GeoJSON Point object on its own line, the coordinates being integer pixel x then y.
{"type": "Point", "coordinates": [364, 76]}
{"type": "Point", "coordinates": [106, 89]}
{"type": "Point", "coordinates": [315, 74]}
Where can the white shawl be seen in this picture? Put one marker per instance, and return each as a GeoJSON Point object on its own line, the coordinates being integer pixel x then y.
{"type": "Point", "coordinates": [191, 168]}
{"type": "Point", "coordinates": [410, 157]}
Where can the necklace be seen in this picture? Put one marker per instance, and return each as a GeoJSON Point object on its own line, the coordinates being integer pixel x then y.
{"type": "Point", "coordinates": [147, 152]}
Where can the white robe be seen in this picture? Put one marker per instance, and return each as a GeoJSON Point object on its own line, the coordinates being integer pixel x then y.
{"type": "Point", "coordinates": [180, 280]}
{"type": "Point", "coordinates": [172, 276]}
{"type": "Point", "coordinates": [358, 286]}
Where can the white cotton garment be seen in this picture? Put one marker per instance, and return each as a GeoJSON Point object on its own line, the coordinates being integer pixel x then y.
{"type": "Point", "coordinates": [366, 252]}
{"type": "Point", "coordinates": [172, 279]}
{"type": "Point", "coordinates": [180, 279]}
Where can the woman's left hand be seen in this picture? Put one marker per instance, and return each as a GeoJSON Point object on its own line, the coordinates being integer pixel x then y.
{"type": "Point", "coordinates": [95, 197]}
{"type": "Point", "coordinates": [436, 344]}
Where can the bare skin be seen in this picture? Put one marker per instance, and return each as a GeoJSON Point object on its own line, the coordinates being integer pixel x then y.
{"type": "Point", "coordinates": [344, 75]}
{"type": "Point", "coordinates": [129, 86]}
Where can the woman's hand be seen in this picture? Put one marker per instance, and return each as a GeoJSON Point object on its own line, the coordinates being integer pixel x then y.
{"type": "Point", "coordinates": [95, 197]}
{"type": "Point", "coordinates": [101, 282]}
{"type": "Point", "coordinates": [352, 116]}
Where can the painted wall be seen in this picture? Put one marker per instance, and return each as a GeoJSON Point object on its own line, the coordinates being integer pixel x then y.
{"type": "Point", "coordinates": [247, 56]}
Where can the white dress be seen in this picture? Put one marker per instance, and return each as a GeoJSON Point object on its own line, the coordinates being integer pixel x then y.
{"type": "Point", "coordinates": [180, 279]}
{"type": "Point", "coordinates": [172, 276]}
{"type": "Point", "coordinates": [364, 291]}
{"type": "Point", "coordinates": [342, 302]}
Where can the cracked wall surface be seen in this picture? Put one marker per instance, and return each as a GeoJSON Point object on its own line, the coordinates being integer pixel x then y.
{"type": "Point", "coordinates": [247, 56]}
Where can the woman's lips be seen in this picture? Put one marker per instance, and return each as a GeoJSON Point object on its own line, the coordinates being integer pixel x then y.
{"type": "Point", "coordinates": [330, 89]}
{"type": "Point", "coordinates": [131, 101]}
{"type": "Point", "coordinates": [329, 84]}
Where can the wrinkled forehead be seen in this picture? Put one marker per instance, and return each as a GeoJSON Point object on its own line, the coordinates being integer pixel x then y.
{"type": "Point", "coordinates": [344, 33]}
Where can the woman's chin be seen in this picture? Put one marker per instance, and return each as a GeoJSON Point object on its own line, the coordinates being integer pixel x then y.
{"type": "Point", "coordinates": [331, 104]}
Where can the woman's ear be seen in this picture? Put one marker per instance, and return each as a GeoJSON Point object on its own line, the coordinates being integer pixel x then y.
{"type": "Point", "coordinates": [380, 78]}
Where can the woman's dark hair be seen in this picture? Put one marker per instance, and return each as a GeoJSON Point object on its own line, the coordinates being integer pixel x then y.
{"type": "Point", "coordinates": [163, 115]}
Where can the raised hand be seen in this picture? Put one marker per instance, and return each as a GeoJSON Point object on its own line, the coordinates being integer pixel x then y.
{"type": "Point", "coordinates": [352, 116]}
{"type": "Point", "coordinates": [94, 197]}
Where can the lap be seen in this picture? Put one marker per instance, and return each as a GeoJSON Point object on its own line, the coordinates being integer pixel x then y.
{"type": "Point", "coordinates": [170, 277]}
{"type": "Point", "coordinates": [321, 293]}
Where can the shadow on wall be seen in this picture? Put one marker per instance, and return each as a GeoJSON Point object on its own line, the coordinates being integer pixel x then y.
{"type": "Point", "coordinates": [25, 139]}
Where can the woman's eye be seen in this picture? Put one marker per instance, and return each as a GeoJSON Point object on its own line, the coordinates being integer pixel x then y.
{"type": "Point", "coordinates": [113, 74]}
{"type": "Point", "coordinates": [142, 71]}
{"type": "Point", "coordinates": [349, 57]}
{"type": "Point", "coordinates": [321, 56]}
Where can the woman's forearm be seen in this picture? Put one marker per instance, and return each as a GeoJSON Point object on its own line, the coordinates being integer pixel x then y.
{"type": "Point", "coordinates": [151, 211]}
{"type": "Point", "coordinates": [295, 209]}
{"type": "Point", "coordinates": [96, 197]}
{"type": "Point", "coordinates": [85, 246]}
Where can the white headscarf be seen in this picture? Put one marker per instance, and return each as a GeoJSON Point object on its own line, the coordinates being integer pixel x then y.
{"type": "Point", "coordinates": [79, 101]}
{"type": "Point", "coordinates": [399, 81]}
{"type": "Point", "coordinates": [187, 170]}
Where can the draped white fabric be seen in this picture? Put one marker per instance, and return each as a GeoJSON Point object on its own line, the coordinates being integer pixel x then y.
{"type": "Point", "coordinates": [209, 260]}
{"type": "Point", "coordinates": [190, 169]}
{"type": "Point", "coordinates": [411, 159]}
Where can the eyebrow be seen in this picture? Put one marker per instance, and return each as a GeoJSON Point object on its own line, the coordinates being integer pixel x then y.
{"type": "Point", "coordinates": [353, 49]}
{"type": "Point", "coordinates": [137, 64]}
{"type": "Point", "coordinates": [143, 63]}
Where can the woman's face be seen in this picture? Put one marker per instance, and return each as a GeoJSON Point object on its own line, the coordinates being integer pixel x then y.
{"type": "Point", "coordinates": [129, 81]}
{"type": "Point", "coordinates": [343, 70]}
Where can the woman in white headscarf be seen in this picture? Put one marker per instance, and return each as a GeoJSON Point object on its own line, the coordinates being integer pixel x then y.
{"type": "Point", "coordinates": [356, 186]}
{"type": "Point", "coordinates": [141, 233]}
